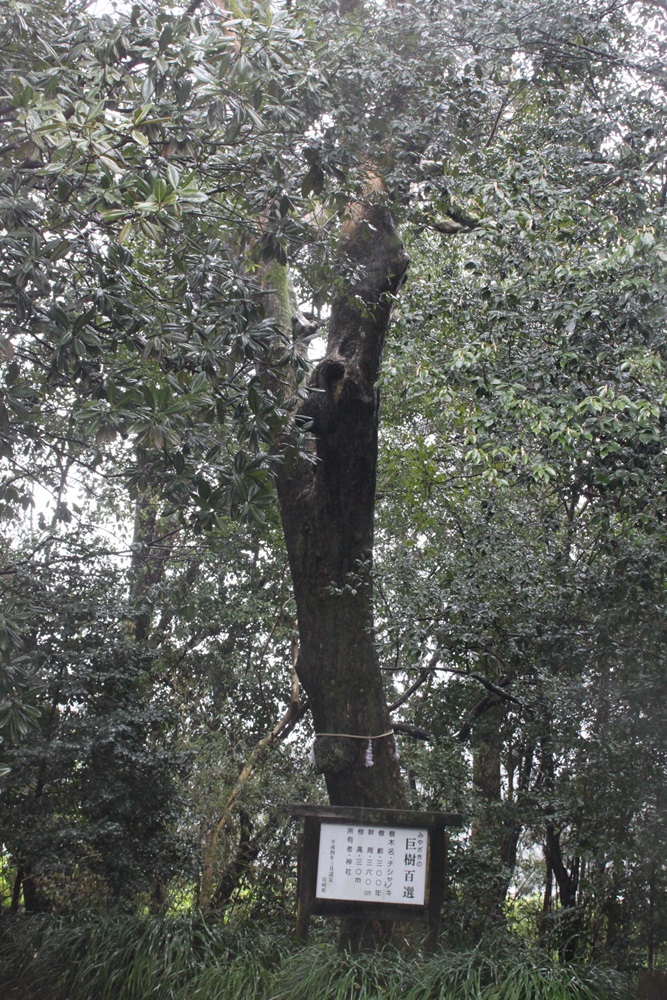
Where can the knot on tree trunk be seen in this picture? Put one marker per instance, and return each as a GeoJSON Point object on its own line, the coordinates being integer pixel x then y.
{"type": "Point", "coordinates": [335, 384]}
{"type": "Point", "coordinates": [334, 754]}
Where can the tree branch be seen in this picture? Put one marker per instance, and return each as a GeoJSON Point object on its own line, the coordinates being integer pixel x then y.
{"type": "Point", "coordinates": [424, 675]}
{"type": "Point", "coordinates": [416, 732]}
{"type": "Point", "coordinates": [485, 704]}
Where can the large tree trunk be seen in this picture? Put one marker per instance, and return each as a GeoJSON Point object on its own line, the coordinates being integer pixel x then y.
{"type": "Point", "coordinates": [327, 510]}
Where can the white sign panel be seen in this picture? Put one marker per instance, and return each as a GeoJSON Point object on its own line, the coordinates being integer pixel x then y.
{"type": "Point", "coordinates": [372, 864]}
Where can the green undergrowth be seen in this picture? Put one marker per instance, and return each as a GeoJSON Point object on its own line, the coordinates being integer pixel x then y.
{"type": "Point", "coordinates": [121, 958]}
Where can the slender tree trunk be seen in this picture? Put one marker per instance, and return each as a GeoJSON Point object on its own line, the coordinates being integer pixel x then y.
{"type": "Point", "coordinates": [213, 834]}
{"type": "Point", "coordinates": [652, 887]}
{"type": "Point", "coordinates": [16, 890]}
{"type": "Point", "coordinates": [34, 898]}
{"type": "Point", "coordinates": [544, 933]}
{"type": "Point", "coordinates": [496, 830]}
{"type": "Point", "coordinates": [567, 921]}
{"type": "Point", "coordinates": [486, 752]}
{"type": "Point", "coordinates": [568, 924]}
{"type": "Point", "coordinates": [327, 509]}
{"type": "Point", "coordinates": [247, 850]}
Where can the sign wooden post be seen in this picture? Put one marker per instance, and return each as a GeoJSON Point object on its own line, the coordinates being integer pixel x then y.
{"type": "Point", "coordinates": [386, 864]}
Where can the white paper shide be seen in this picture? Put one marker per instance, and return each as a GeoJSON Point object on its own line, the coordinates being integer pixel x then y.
{"type": "Point", "coordinates": [372, 864]}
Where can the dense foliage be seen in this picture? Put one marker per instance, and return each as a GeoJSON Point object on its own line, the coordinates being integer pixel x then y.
{"type": "Point", "coordinates": [160, 173]}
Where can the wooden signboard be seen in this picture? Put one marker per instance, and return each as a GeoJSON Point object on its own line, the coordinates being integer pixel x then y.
{"type": "Point", "coordinates": [386, 864]}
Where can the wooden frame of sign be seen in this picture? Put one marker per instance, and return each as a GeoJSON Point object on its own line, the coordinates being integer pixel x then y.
{"type": "Point", "coordinates": [373, 864]}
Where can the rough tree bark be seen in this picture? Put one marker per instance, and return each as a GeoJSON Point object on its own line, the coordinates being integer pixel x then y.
{"type": "Point", "coordinates": [327, 508]}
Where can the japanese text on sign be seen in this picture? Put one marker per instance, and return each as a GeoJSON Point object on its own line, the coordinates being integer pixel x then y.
{"type": "Point", "coordinates": [372, 864]}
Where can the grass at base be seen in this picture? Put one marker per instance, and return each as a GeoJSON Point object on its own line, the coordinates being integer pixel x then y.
{"type": "Point", "coordinates": [188, 958]}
